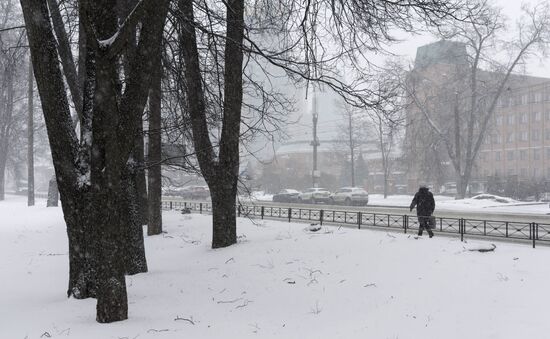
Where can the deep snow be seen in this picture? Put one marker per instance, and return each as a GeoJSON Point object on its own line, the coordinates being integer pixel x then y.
{"type": "Point", "coordinates": [279, 281]}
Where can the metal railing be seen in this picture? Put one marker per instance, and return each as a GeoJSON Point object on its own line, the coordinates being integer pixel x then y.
{"type": "Point", "coordinates": [524, 231]}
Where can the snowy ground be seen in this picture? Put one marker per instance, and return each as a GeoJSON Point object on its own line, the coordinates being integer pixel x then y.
{"type": "Point", "coordinates": [280, 281]}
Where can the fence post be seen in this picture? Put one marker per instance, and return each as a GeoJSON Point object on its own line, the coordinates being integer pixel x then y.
{"type": "Point", "coordinates": [507, 229]}
{"type": "Point", "coordinates": [461, 227]}
{"type": "Point", "coordinates": [239, 210]}
{"type": "Point", "coordinates": [359, 217]}
{"type": "Point", "coordinates": [262, 212]}
{"type": "Point", "coordinates": [200, 207]}
{"type": "Point", "coordinates": [321, 212]}
{"type": "Point", "coordinates": [170, 205]}
{"type": "Point", "coordinates": [405, 217]}
{"type": "Point", "coordinates": [533, 233]}
{"type": "Point", "coordinates": [289, 213]}
{"type": "Point", "coordinates": [185, 204]}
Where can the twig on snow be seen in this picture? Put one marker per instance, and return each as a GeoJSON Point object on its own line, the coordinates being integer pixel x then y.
{"type": "Point", "coordinates": [185, 319]}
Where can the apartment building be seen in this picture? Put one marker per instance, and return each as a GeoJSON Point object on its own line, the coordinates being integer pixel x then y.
{"type": "Point", "coordinates": [517, 140]}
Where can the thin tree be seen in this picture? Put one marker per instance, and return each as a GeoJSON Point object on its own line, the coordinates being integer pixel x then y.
{"type": "Point", "coordinates": [215, 39]}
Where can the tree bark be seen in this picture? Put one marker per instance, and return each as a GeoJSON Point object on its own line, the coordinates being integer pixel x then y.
{"type": "Point", "coordinates": [154, 169]}
{"type": "Point", "coordinates": [66, 57]}
{"type": "Point", "coordinates": [139, 175]}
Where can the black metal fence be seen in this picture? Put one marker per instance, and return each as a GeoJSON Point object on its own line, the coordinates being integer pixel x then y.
{"type": "Point", "coordinates": [525, 231]}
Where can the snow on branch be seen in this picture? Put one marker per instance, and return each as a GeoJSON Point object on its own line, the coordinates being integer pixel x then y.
{"type": "Point", "coordinates": [116, 42]}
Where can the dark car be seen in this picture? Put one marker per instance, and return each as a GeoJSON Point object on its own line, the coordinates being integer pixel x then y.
{"type": "Point", "coordinates": [286, 195]}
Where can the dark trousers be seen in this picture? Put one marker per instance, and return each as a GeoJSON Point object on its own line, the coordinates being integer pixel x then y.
{"type": "Point", "coordinates": [423, 224]}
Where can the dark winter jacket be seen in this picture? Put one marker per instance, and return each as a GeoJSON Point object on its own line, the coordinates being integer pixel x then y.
{"type": "Point", "coordinates": [424, 202]}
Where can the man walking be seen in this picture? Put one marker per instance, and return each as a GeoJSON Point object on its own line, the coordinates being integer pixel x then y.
{"type": "Point", "coordinates": [425, 205]}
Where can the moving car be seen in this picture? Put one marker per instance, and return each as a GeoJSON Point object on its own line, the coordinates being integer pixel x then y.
{"type": "Point", "coordinates": [350, 196]}
{"type": "Point", "coordinates": [314, 195]}
{"type": "Point", "coordinates": [286, 195]}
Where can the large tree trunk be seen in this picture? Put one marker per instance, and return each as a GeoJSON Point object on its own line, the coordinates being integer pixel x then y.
{"type": "Point", "coordinates": [135, 247]}
{"type": "Point", "coordinates": [223, 193]}
{"type": "Point", "coordinates": [109, 176]}
{"type": "Point", "coordinates": [82, 255]}
{"type": "Point", "coordinates": [154, 171]}
{"type": "Point", "coordinates": [63, 145]}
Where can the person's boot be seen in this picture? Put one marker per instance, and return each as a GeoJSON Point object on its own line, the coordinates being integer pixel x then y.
{"type": "Point", "coordinates": [431, 233]}
{"type": "Point", "coordinates": [420, 233]}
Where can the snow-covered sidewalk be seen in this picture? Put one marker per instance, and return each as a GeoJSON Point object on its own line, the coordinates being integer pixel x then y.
{"type": "Point", "coordinates": [279, 281]}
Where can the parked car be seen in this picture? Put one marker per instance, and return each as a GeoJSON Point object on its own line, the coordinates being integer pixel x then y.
{"type": "Point", "coordinates": [314, 195]}
{"type": "Point", "coordinates": [286, 195]}
{"type": "Point", "coordinates": [350, 196]}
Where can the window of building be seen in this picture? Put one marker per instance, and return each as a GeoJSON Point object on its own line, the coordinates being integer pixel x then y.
{"type": "Point", "coordinates": [535, 135]}
{"type": "Point", "coordinates": [535, 172]}
{"type": "Point", "coordinates": [548, 153]}
{"type": "Point", "coordinates": [523, 136]}
{"type": "Point", "coordinates": [548, 115]}
{"type": "Point", "coordinates": [536, 154]}
{"type": "Point", "coordinates": [524, 99]}
{"type": "Point", "coordinates": [536, 116]}
{"type": "Point", "coordinates": [523, 118]}
{"type": "Point", "coordinates": [510, 155]}
{"type": "Point", "coordinates": [523, 172]}
{"type": "Point", "coordinates": [547, 134]}
{"type": "Point", "coordinates": [496, 138]}
{"type": "Point", "coordinates": [537, 96]}
{"type": "Point", "coordinates": [510, 137]}
{"type": "Point", "coordinates": [497, 156]}
{"type": "Point", "coordinates": [523, 154]}
{"type": "Point", "coordinates": [499, 120]}
{"type": "Point", "coordinates": [510, 119]}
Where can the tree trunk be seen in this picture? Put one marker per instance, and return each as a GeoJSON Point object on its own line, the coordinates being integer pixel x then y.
{"type": "Point", "coordinates": [53, 193]}
{"type": "Point", "coordinates": [82, 255]}
{"type": "Point", "coordinates": [63, 145]}
{"type": "Point", "coordinates": [224, 218]}
{"type": "Point", "coordinates": [154, 171]}
{"type": "Point", "coordinates": [139, 174]}
{"type": "Point", "coordinates": [134, 242]}
{"type": "Point", "coordinates": [461, 186]}
{"type": "Point", "coordinates": [109, 178]}
{"type": "Point", "coordinates": [30, 140]}
{"type": "Point", "coordinates": [6, 128]}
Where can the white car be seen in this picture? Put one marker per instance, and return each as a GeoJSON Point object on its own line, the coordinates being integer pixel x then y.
{"type": "Point", "coordinates": [350, 196]}
{"type": "Point", "coordinates": [314, 195]}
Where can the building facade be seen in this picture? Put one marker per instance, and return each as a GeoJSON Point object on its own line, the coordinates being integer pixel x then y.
{"type": "Point", "coordinates": [516, 143]}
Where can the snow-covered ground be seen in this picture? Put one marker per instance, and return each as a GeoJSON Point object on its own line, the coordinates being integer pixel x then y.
{"type": "Point", "coordinates": [279, 281]}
